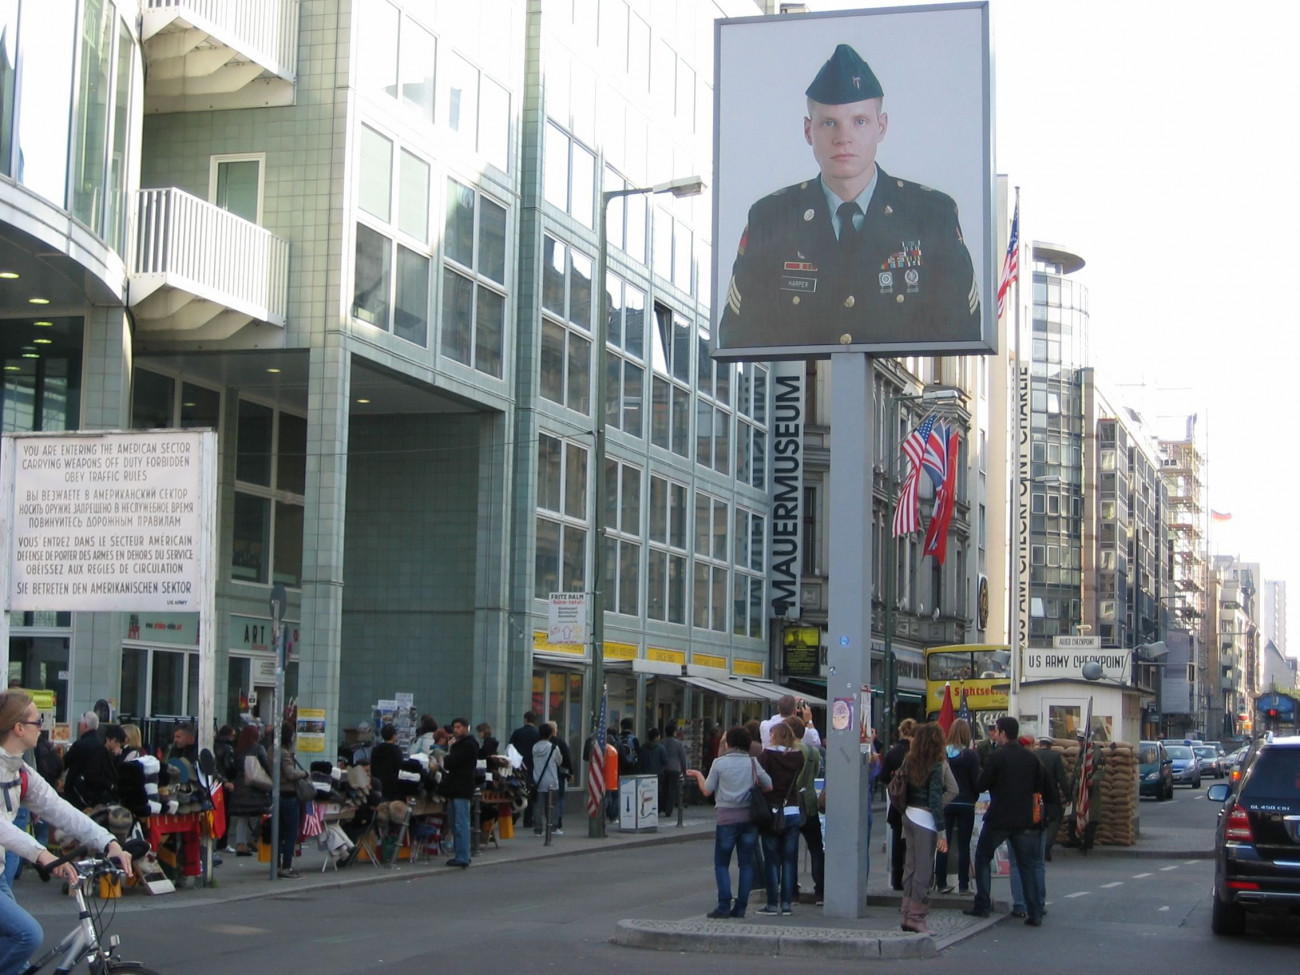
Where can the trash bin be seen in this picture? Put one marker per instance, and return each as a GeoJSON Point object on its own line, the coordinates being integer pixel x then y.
{"type": "Point", "coordinates": [638, 803]}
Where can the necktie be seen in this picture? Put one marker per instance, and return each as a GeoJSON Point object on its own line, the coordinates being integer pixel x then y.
{"type": "Point", "coordinates": [848, 229]}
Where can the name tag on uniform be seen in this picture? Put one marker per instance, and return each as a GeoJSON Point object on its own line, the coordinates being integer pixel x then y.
{"type": "Point", "coordinates": [790, 282]}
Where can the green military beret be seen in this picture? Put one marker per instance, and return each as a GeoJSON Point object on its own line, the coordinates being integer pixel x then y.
{"type": "Point", "coordinates": [844, 78]}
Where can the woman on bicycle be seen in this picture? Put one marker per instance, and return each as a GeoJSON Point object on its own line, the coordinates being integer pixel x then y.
{"type": "Point", "coordinates": [22, 785]}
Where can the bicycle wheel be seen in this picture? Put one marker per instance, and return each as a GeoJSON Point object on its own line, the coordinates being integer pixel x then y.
{"type": "Point", "coordinates": [129, 968]}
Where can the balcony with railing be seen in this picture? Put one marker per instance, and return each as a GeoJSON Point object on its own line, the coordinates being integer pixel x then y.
{"type": "Point", "coordinates": [202, 274]}
{"type": "Point", "coordinates": [202, 55]}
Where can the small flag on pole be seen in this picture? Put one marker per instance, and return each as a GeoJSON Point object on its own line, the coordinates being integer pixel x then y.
{"type": "Point", "coordinates": [1011, 264]}
{"type": "Point", "coordinates": [1220, 515]}
{"type": "Point", "coordinates": [946, 715]}
{"type": "Point", "coordinates": [963, 710]}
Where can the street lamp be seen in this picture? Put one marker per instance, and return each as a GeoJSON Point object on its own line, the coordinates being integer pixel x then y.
{"type": "Point", "coordinates": [935, 394]}
{"type": "Point", "coordinates": [683, 187]}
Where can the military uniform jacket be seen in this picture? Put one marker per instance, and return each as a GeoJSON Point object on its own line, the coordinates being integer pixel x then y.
{"type": "Point", "coordinates": [906, 277]}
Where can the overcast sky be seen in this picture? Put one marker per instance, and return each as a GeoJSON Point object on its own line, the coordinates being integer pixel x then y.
{"type": "Point", "coordinates": [1150, 137]}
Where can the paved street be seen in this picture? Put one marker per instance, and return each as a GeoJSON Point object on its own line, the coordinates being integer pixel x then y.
{"type": "Point", "coordinates": [539, 910]}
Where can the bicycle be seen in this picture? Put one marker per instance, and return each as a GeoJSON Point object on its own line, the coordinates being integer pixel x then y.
{"type": "Point", "coordinates": [86, 941]}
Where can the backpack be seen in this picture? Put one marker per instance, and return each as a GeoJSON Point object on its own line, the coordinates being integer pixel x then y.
{"type": "Point", "coordinates": [629, 760]}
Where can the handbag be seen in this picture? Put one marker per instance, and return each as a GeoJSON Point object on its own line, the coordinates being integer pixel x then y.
{"type": "Point", "coordinates": [760, 813]}
{"type": "Point", "coordinates": [1039, 812]}
{"type": "Point", "coordinates": [255, 775]}
{"type": "Point", "coordinates": [305, 788]}
{"type": "Point", "coordinates": [897, 787]}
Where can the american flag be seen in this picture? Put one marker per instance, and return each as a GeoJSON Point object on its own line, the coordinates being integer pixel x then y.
{"type": "Point", "coordinates": [935, 459]}
{"type": "Point", "coordinates": [936, 536]}
{"type": "Point", "coordinates": [963, 711]}
{"type": "Point", "coordinates": [906, 516]}
{"type": "Point", "coordinates": [1085, 764]}
{"type": "Point", "coordinates": [1011, 265]}
{"type": "Point", "coordinates": [596, 764]}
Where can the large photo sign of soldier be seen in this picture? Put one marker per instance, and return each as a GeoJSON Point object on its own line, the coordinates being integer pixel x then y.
{"type": "Point", "coordinates": [854, 184]}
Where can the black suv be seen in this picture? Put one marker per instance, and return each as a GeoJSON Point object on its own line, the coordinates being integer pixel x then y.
{"type": "Point", "coordinates": [1257, 840]}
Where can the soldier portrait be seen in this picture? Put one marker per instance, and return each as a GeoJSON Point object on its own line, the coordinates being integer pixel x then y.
{"type": "Point", "coordinates": [853, 253]}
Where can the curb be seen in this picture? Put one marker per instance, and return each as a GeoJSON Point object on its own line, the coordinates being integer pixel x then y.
{"type": "Point", "coordinates": [721, 937]}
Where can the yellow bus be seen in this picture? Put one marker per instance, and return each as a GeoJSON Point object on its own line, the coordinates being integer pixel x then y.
{"type": "Point", "coordinates": [982, 670]}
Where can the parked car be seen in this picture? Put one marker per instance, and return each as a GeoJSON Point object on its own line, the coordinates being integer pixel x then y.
{"type": "Point", "coordinates": [1155, 770]}
{"type": "Point", "coordinates": [1187, 767]}
{"type": "Point", "coordinates": [1211, 760]}
{"type": "Point", "coordinates": [1235, 760]}
{"type": "Point", "coordinates": [1257, 839]}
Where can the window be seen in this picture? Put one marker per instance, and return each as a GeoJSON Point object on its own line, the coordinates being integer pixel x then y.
{"type": "Point", "coordinates": [160, 402]}
{"type": "Point", "coordinates": [751, 424]}
{"type": "Point", "coordinates": [670, 417]}
{"type": "Point", "coordinates": [623, 538]}
{"type": "Point", "coordinates": [270, 479]}
{"type": "Point", "coordinates": [748, 576]}
{"type": "Point", "coordinates": [235, 184]}
{"type": "Point", "coordinates": [625, 225]}
{"type": "Point", "coordinates": [666, 573]}
{"type": "Point", "coordinates": [473, 299]}
{"type": "Point", "coordinates": [566, 326]}
{"type": "Point", "coordinates": [391, 265]}
{"type": "Point", "coordinates": [418, 58]}
{"type": "Point", "coordinates": [625, 386]}
{"type": "Point", "coordinates": [561, 556]}
{"type": "Point", "coordinates": [712, 418]}
{"type": "Point", "coordinates": [569, 178]}
{"type": "Point", "coordinates": [710, 589]}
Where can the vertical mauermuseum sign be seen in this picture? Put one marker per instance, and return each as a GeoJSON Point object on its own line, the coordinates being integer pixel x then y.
{"type": "Point", "coordinates": [109, 521]}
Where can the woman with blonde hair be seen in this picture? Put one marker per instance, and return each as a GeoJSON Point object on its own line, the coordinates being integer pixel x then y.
{"type": "Point", "coordinates": [22, 786]}
{"type": "Point", "coordinates": [960, 812]}
{"type": "Point", "coordinates": [923, 822]}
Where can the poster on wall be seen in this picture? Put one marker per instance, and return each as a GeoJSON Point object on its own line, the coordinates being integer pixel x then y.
{"type": "Point", "coordinates": [311, 730]}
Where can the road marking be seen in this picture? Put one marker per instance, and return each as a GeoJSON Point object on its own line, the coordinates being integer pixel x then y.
{"type": "Point", "coordinates": [1188, 863]}
{"type": "Point", "coordinates": [1139, 876]}
{"type": "Point", "coordinates": [1118, 883]}
{"type": "Point", "coordinates": [1079, 893]}
{"type": "Point", "coordinates": [1167, 869]}
{"type": "Point", "coordinates": [1164, 908]}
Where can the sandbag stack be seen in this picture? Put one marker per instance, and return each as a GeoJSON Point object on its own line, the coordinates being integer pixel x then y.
{"type": "Point", "coordinates": [1115, 809]}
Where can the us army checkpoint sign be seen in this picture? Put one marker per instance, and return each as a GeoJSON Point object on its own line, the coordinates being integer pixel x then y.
{"type": "Point", "coordinates": [109, 521]}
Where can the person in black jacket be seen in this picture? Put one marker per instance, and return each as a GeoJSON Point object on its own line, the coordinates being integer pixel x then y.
{"type": "Point", "coordinates": [1011, 777]}
{"type": "Point", "coordinates": [960, 813]}
{"type": "Point", "coordinates": [91, 778]}
{"type": "Point", "coordinates": [458, 787]}
{"type": "Point", "coordinates": [893, 760]}
{"type": "Point", "coordinates": [524, 738]}
{"type": "Point", "coordinates": [385, 763]}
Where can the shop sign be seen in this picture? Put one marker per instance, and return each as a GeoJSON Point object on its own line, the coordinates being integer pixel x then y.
{"type": "Point", "coordinates": [788, 380]}
{"type": "Point", "coordinates": [665, 656]}
{"type": "Point", "coordinates": [747, 668]}
{"type": "Point", "coordinates": [566, 620]}
{"type": "Point", "coordinates": [253, 634]}
{"type": "Point", "coordinates": [709, 660]}
{"type": "Point", "coordinates": [540, 643]}
{"type": "Point", "coordinates": [311, 730]}
{"type": "Point", "coordinates": [173, 629]}
{"type": "Point", "coordinates": [619, 651]}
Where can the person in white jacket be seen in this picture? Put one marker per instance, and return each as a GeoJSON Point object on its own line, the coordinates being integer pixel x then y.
{"type": "Point", "coordinates": [22, 786]}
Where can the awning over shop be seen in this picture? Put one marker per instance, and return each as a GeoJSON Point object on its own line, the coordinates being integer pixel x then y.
{"type": "Point", "coordinates": [724, 688]}
{"type": "Point", "coordinates": [768, 690]}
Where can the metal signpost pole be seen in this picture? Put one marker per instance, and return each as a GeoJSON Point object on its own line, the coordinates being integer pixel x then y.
{"type": "Point", "coordinates": [279, 602]}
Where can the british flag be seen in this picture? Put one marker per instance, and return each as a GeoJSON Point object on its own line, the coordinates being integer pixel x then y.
{"type": "Point", "coordinates": [906, 515]}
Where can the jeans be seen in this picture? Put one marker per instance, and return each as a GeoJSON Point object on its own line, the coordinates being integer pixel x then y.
{"type": "Point", "coordinates": [781, 860]}
{"type": "Point", "coordinates": [20, 934]}
{"type": "Point", "coordinates": [960, 817]}
{"type": "Point", "coordinates": [1039, 868]}
{"type": "Point", "coordinates": [1024, 844]}
{"type": "Point", "coordinates": [289, 812]}
{"type": "Point", "coordinates": [12, 860]}
{"type": "Point", "coordinates": [811, 830]}
{"type": "Point", "coordinates": [460, 830]}
{"type": "Point", "coordinates": [557, 806]}
{"type": "Point", "coordinates": [741, 837]}
{"type": "Point", "coordinates": [670, 795]}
